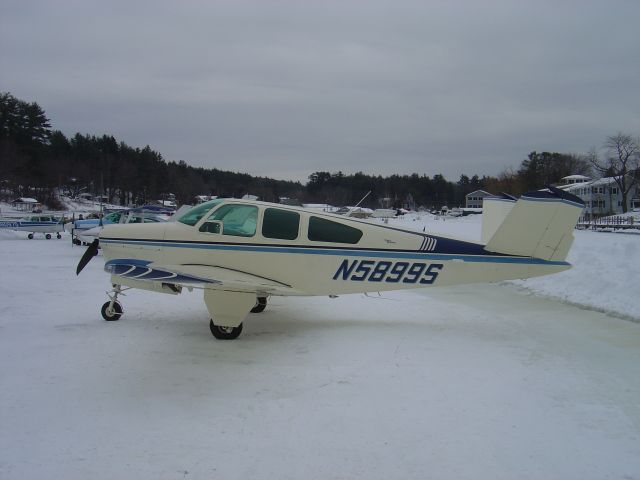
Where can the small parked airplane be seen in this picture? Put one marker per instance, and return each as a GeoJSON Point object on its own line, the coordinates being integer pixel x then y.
{"type": "Point", "coordinates": [241, 252]}
{"type": "Point", "coordinates": [87, 227]}
{"type": "Point", "coordinates": [37, 223]}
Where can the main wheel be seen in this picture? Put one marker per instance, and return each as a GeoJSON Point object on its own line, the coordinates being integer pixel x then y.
{"type": "Point", "coordinates": [109, 314]}
{"type": "Point", "coordinates": [225, 333]}
{"type": "Point", "coordinates": [261, 304]}
{"type": "Point", "coordinates": [58, 236]}
{"type": "Point", "coordinates": [30, 236]}
{"type": "Point", "coordinates": [48, 236]}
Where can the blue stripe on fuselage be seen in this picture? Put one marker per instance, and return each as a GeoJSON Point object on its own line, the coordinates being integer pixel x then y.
{"type": "Point", "coordinates": [344, 252]}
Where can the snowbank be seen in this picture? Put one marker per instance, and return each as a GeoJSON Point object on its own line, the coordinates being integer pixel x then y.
{"type": "Point", "coordinates": [605, 273]}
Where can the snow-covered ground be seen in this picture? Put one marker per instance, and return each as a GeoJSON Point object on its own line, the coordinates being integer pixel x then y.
{"type": "Point", "coordinates": [472, 382]}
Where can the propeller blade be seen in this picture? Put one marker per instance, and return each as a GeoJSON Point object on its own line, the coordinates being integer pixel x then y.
{"type": "Point", "coordinates": [91, 252]}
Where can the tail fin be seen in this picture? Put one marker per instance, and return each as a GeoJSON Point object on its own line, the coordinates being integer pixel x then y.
{"type": "Point", "coordinates": [540, 224]}
{"type": "Point", "coordinates": [494, 211]}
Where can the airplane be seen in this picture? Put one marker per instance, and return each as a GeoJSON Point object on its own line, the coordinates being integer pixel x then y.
{"type": "Point", "coordinates": [241, 252]}
{"type": "Point", "coordinates": [37, 223]}
{"type": "Point", "coordinates": [87, 235]}
{"type": "Point", "coordinates": [146, 213]}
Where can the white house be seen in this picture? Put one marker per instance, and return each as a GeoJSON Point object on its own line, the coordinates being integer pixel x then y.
{"type": "Point", "coordinates": [573, 179]}
{"type": "Point", "coordinates": [603, 196]}
{"type": "Point", "coordinates": [475, 198]}
{"type": "Point", "coordinates": [26, 204]}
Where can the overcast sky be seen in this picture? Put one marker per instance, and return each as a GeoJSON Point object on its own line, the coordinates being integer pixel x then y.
{"type": "Point", "coordinates": [286, 88]}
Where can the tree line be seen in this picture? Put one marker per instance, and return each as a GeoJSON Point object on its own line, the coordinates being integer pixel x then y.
{"type": "Point", "coordinates": [36, 160]}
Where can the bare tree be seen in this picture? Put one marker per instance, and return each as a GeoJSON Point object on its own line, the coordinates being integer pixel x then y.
{"type": "Point", "coordinates": [622, 162]}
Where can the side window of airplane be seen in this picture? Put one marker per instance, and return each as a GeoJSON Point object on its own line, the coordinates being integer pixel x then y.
{"type": "Point", "coordinates": [281, 224]}
{"type": "Point", "coordinates": [237, 220]}
{"type": "Point", "coordinates": [323, 230]}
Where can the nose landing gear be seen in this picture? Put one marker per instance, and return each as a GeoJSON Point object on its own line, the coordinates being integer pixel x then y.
{"type": "Point", "coordinates": [112, 310]}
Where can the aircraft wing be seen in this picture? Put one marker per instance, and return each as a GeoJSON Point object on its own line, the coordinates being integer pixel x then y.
{"type": "Point", "coordinates": [228, 279]}
{"type": "Point", "coordinates": [136, 272]}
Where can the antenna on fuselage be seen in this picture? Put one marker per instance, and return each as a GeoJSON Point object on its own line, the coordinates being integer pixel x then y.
{"type": "Point", "coordinates": [357, 204]}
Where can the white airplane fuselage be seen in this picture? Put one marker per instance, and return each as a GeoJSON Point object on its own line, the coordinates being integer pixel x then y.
{"type": "Point", "coordinates": [33, 224]}
{"type": "Point", "coordinates": [384, 258]}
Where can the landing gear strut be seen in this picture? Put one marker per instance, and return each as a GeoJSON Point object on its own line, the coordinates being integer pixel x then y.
{"type": "Point", "coordinates": [112, 310]}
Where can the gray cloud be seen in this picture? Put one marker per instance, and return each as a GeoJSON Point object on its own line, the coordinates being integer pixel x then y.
{"type": "Point", "coordinates": [287, 88]}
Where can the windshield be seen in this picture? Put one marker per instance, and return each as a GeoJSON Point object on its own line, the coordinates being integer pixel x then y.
{"type": "Point", "coordinates": [194, 215]}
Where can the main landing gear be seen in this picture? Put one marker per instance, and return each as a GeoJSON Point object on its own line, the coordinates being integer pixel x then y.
{"type": "Point", "coordinates": [225, 333]}
{"type": "Point", "coordinates": [112, 310]}
{"type": "Point", "coordinates": [261, 304]}
{"type": "Point", "coordinates": [222, 332]}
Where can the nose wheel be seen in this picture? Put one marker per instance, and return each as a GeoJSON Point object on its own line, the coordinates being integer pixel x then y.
{"type": "Point", "coordinates": [112, 310]}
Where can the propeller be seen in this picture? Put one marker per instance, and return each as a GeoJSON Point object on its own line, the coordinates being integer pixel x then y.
{"type": "Point", "coordinates": [91, 252]}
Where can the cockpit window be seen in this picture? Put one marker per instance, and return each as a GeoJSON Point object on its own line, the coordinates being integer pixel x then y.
{"type": "Point", "coordinates": [237, 220]}
{"type": "Point", "coordinates": [194, 215]}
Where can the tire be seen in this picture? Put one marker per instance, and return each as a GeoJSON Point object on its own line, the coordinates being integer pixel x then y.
{"type": "Point", "coordinates": [111, 316]}
{"type": "Point", "coordinates": [225, 333]}
{"type": "Point", "coordinates": [261, 304]}
{"type": "Point", "coordinates": [48, 236]}
{"type": "Point", "coordinates": [30, 236]}
{"type": "Point", "coordinates": [58, 236]}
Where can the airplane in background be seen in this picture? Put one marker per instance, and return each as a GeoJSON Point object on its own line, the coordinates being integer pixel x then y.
{"type": "Point", "coordinates": [86, 230]}
{"type": "Point", "coordinates": [36, 223]}
{"type": "Point", "coordinates": [241, 252]}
